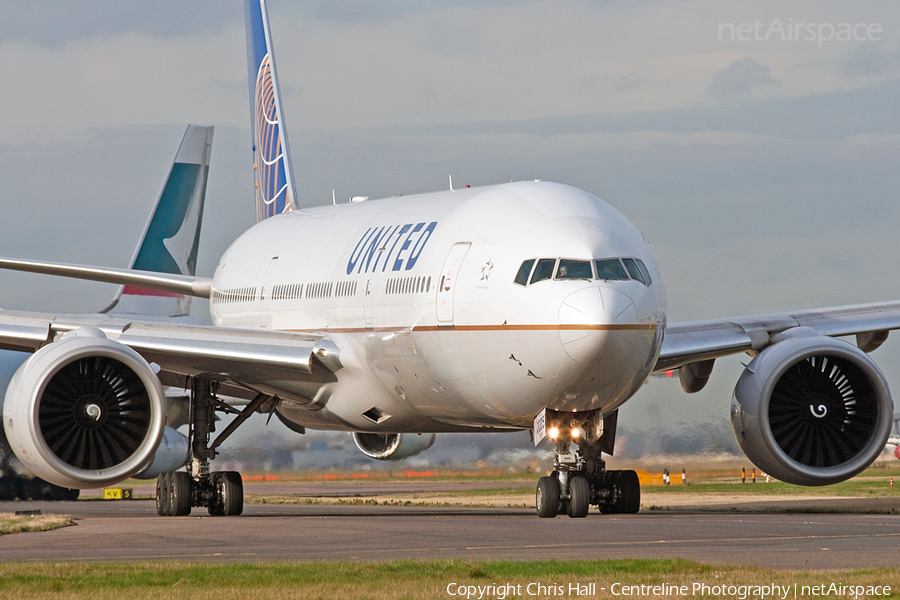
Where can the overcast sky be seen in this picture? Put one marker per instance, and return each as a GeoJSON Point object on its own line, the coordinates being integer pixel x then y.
{"type": "Point", "coordinates": [762, 168]}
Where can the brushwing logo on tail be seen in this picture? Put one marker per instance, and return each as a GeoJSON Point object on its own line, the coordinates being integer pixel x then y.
{"type": "Point", "coordinates": [171, 239]}
{"type": "Point", "coordinates": [271, 180]}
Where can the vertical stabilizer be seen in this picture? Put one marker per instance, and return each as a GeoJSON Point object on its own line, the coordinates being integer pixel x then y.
{"type": "Point", "coordinates": [172, 235]}
{"type": "Point", "coordinates": [273, 173]}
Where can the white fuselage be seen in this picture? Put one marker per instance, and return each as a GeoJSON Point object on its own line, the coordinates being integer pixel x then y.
{"type": "Point", "coordinates": [419, 294]}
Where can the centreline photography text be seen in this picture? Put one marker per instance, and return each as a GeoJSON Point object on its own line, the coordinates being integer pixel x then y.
{"type": "Point", "coordinates": [761, 591]}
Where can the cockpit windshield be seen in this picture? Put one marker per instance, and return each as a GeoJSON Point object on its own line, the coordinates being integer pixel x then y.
{"type": "Point", "coordinates": [607, 269]}
{"type": "Point", "coordinates": [574, 269]}
{"type": "Point", "coordinates": [543, 270]}
{"type": "Point", "coordinates": [611, 269]}
{"type": "Point", "coordinates": [636, 271]}
{"type": "Point", "coordinates": [524, 272]}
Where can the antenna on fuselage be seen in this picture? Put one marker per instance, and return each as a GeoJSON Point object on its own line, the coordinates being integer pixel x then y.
{"type": "Point", "coordinates": [451, 182]}
{"type": "Point", "coordinates": [333, 197]}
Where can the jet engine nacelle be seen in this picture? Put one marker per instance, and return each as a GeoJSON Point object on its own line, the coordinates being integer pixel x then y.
{"type": "Point", "coordinates": [85, 411]}
{"type": "Point", "coordinates": [392, 446]}
{"type": "Point", "coordinates": [811, 410]}
{"type": "Point", "coordinates": [172, 454]}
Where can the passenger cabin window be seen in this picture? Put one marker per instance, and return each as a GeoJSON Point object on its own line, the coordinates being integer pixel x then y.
{"type": "Point", "coordinates": [543, 270]}
{"type": "Point", "coordinates": [574, 269]}
{"type": "Point", "coordinates": [611, 269]}
{"type": "Point", "coordinates": [635, 271]}
{"type": "Point", "coordinates": [524, 272]}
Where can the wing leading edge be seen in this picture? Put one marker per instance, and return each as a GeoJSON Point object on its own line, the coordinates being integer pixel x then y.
{"type": "Point", "coordinates": [199, 287]}
{"type": "Point", "coordinates": [686, 343]}
{"type": "Point", "coordinates": [246, 363]}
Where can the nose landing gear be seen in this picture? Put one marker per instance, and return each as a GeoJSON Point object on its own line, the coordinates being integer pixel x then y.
{"type": "Point", "coordinates": [580, 479]}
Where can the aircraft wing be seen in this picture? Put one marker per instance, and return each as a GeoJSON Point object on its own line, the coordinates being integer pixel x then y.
{"type": "Point", "coordinates": [169, 282]}
{"type": "Point", "coordinates": [244, 362]}
{"type": "Point", "coordinates": [686, 343]}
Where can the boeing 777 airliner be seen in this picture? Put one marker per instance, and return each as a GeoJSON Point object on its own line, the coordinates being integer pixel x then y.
{"type": "Point", "coordinates": [523, 306]}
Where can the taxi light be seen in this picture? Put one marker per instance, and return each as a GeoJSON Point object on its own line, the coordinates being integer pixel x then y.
{"type": "Point", "coordinates": [576, 432]}
{"type": "Point", "coordinates": [553, 433]}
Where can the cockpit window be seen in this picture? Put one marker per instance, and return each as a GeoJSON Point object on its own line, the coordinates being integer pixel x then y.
{"type": "Point", "coordinates": [611, 268]}
{"type": "Point", "coordinates": [574, 269]}
{"type": "Point", "coordinates": [608, 269]}
{"type": "Point", "coordinates": [644, 271]}
{"type": "Point", "coordinates": [635, 271]}
{"type": "Point", "coordinates": [543, 270]}
{"type": "Point", "coordinates": [524, 272]}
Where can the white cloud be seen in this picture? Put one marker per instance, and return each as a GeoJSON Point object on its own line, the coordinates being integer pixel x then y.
{"type": "Point", "coordinates": [741, 79]}
{"type": "Point", "coordinates": [120, 80]}
{"type": "Point", "coordinates": [453, 63]}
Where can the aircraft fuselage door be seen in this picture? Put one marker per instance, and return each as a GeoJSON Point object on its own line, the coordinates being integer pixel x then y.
{"type": "Point", "coordinates": [265, 292]}
{"type": "Point", "coordinates": [447, 283]}
{"type": "Point", "coordinates": [367, 302]}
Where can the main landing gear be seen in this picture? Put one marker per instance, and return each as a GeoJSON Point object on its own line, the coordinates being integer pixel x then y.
{"type": "Point", "coordinates": [580, 478]}
{"type": "Point", "coordinates": [221, 492]}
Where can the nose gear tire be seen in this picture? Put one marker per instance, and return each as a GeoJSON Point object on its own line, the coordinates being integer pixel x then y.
{"type": "Point", "coordinates": [546, 497]}
{"type": "Point", "coordinates": [579, 497]}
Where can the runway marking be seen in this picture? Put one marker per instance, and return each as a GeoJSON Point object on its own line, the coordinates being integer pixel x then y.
{"type": "Point", "coordinates": [119, 557]}
{"type": "Point", "coordinates": [697, 541]}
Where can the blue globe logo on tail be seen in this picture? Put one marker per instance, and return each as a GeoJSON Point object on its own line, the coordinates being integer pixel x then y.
{"type": "Point", "coordinates": [271, 181]}
{"type": "Point", "coordinates": [273, 177]}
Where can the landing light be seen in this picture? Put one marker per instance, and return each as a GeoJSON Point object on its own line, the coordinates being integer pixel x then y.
{"type": "Point", "coordinates": [576, 432]}
{"type": "Point", "coordinates": [553, 433]}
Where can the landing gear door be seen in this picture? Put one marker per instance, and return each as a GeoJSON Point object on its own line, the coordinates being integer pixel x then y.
{"type": "Point", "coordinates": [448, 282]}
{"type": "Point", "coordinates": [540, 427]}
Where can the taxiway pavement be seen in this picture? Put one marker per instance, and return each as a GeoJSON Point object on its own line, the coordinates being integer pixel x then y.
{"type": "Point", "coordinates": [131, 530]}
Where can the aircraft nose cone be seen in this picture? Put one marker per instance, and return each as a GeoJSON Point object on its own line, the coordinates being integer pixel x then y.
{"type": "Point", "coordinates": [587, 317]}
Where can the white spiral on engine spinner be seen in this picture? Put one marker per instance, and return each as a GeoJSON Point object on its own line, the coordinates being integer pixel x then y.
{"type": "Point", "coordinates": [814, 410]}
{"type": "Point", "coordinates": [93, 411]}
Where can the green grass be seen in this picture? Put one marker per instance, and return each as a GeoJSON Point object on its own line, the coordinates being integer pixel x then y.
{"type": "Point", "coordinates": [873, 484]}
{"type": "Point", "coordinates": [858, 487]}
{"type": "Point", "coordinates": [10, 523]}
{"type": "Point", "coordinates": [486, 491]}
{"type": "Point", "coordinates": [377, 476]}
{"type": "Point", "coordinates": [401, 579]}
{"type": "Point", "coordinates": [362, 497]}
